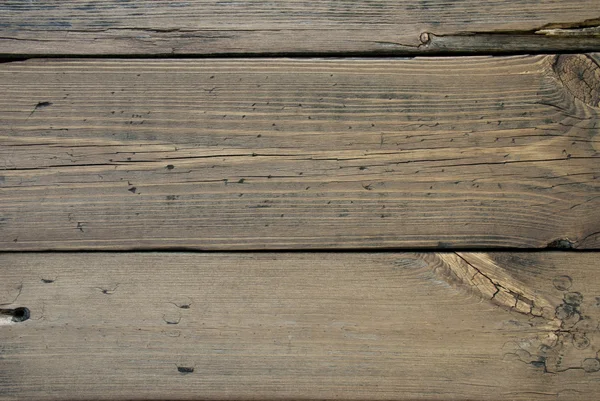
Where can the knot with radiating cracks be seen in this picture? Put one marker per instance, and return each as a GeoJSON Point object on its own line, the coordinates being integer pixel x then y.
{"type": "Point", "coordinates": [566, 330]}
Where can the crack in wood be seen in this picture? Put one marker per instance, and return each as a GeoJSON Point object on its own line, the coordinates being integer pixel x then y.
{"type": "Point", "coordinates": [565, 331]}
{"type": "Point", "coordinates": [580, 76]}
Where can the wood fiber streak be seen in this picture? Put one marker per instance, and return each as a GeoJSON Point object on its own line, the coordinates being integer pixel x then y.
{"type": "Point", "coordinates": [293, 154]}
{"type": "Point", "coordinates": [150, 27]}
{"type": "Point", "coordinates": [291, 326]}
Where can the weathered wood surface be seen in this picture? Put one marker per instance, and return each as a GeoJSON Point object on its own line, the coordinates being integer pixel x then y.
{"type": "Point", "coordinates": [508, 326]}
{"type": "Point", "coordinates": [292, 154]}
{"type": "Point", "coordinates": [153, 27]}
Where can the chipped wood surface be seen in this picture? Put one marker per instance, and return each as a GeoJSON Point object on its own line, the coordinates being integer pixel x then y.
{"type": "Point", "coordinates": [292, 154]}
{"type": "Point", "coordinates": [435, 326]}
{"type": "Point", "coordinates": [149, 27]}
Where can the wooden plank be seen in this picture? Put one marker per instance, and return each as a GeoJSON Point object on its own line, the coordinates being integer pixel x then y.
{"type": "Point", "coordinates": [518, 326]}
{"type": "Point", "coordinates": [150, 27]}
{"type": "Point", "coordinates": [292, 154]}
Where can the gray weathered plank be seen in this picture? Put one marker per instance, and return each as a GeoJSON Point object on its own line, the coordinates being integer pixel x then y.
{"type": "Point", "coordinates": [150, 27]}
{"type": "Point", "coordinates": [291, 154]}
{"type": "Point", "coordinates": [508, 326]}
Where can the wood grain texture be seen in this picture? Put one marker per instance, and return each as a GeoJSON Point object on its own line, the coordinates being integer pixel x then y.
{"type": "Point", "coordinates": [150, 27]}
{"type": "Point", "coordinates": [518, 326]}
{"type": "Point", "coordinates": [292, 154]}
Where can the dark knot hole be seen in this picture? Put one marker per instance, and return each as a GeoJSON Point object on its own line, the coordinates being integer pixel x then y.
{"type": "Point", "coordinates": [19, 314]}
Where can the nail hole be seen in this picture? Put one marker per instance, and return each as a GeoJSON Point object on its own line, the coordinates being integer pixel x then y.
{"type": "Point", "coordinates": [18, 314]}
{"type": "Point", "coordinates": [21, 314]}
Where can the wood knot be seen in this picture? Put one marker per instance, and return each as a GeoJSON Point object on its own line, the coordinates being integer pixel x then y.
{"type": "Point", "coordinates": [580, 75]}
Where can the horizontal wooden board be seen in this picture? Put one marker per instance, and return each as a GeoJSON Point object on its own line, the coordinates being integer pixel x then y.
{"type": "Point", "coordinates": [292, 154]}
{"type": "Point", "coordinates": [150, 27]}
{"type": "Point", "coordinates": [507, 326]}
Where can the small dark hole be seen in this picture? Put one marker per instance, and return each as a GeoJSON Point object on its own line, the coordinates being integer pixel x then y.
{"type": "Point", "coordinates": [17, 314]}
{"type": "Point", "coordinates": [20, 314]}
{"type": "Point", "coordinates": [185, 369]}
{"type": "Point", "coordinates": [538, 364]}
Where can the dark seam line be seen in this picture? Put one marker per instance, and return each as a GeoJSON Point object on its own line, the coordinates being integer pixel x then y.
{"type": "Point", "coordinates": [308, 250]}
{"type": "Point", "coordinates": [8, 58]}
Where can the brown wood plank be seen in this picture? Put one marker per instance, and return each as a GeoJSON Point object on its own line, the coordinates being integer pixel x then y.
{"type": "Point", "coordinates": [518, 326]}
{"type": "Point", "coordinates": [291, 154]}
{"type": "Point", "coordinates": [150, 27]}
